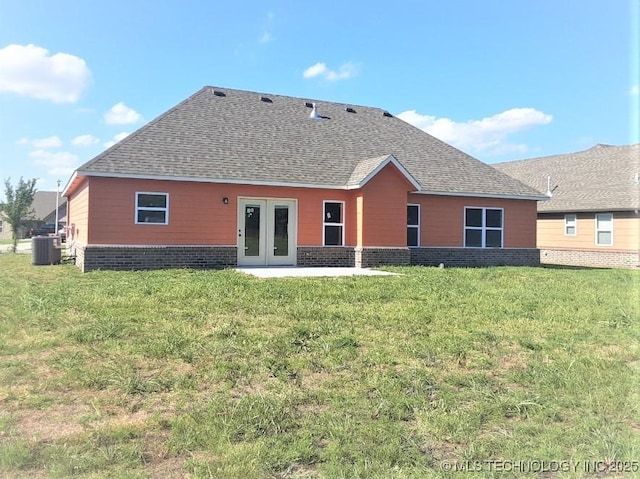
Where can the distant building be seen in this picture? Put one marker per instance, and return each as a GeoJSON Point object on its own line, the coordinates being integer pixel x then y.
{"type": "Point", "coordinates": [591, 218]}
{"type": "Point", "coordinates": [44, 211]}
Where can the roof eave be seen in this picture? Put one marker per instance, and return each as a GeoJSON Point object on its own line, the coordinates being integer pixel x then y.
{"type": "Point", "coordinates": [484, 195]}
{"type": "Point", "coordinates": [209, 180]}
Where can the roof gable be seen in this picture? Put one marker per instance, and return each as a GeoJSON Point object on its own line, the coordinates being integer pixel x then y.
{"type": "Point", "coordinates": [245, 137]}
{"type": "Point", "coordinates": [367, 169]}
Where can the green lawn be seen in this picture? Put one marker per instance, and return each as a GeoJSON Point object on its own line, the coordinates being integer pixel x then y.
{"type": "Point", "coordinates": [214, 374]}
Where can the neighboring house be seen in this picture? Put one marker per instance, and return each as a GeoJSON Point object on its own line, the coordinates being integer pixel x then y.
{"type": "Point", "coordinates": [592, 216]}
{"type": "Point", "coordinates": [44, 211]}
{"type": "Point", "coordinates": [231, 177]}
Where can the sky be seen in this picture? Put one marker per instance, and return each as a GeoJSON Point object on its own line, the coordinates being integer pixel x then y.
{"type": "Point", "coordinates": [500, 80]}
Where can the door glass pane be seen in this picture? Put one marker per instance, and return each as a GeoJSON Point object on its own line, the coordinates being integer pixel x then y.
{"type": "Point", "coordinates": [281, 231]}
{"type": "Point", "coordinates": [252, 230]}
{"type": "Point", "coordinates": [494, 239]}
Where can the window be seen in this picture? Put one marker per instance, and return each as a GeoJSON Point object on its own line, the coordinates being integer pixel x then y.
{"type": "Point", "coordinates": [1, 226]}
{"type": "Point", "coordinates": [152, 208]}
{"type": "Point", "coordinates": [570, 225]}
{"type": "Point", "coordinates": [413, 225]}
{"type": "Point", "coordinates": [483, 228]}
{"type": "Point", "coordinates": [604, 229]}
{"type": "Point", "coordinates": [333, 223]}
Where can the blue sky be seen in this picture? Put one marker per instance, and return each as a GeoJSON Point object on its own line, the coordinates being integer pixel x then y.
{"type": "Point", "coordinates": [501, 80]}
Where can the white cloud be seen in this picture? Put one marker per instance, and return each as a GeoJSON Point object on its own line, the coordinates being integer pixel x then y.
{"type": "Point", "coordinates": [121, 114]}
{"type": "Point", "coordinates": [634, 90]}
{"type": "Point", "coordinates": [31, 71]}
{"type": "Point", "coordinates": [42, 143]}
{"type": "Point", "coordinates": [320, 69]}
{"type": "Point", "coordinates": [116, 138]}
{"type": "Point", "coordinates": [85, 140]}
{"type": "Point", "coordinates": [59, 163]}
{"type": "Point", "coordinates": [266, 37]}
{"type": "Point", "coordinates": [488, 135]}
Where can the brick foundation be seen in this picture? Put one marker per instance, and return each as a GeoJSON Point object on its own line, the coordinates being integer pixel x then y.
{"type": "Point", "coordinates": [475, 256]}
{"type": "Point", "coordinates": [336, 256]}
{"type": "Point", "coordinates": [371, 257]}
{"type": "Point", "coordinates": [589, 258]}
{"type": "Point", "coordinates": [90, 258]}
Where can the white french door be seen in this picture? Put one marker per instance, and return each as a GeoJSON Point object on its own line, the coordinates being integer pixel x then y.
{"type": "Point", "coordinates": [266, 232]}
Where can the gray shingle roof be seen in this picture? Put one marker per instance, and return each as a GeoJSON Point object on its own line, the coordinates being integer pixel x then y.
{"type": "Point", "coordinates": [602, 178]}
{"type": "Point", "coordinates": [239, 137]}
{"type": "Point", "coordinates": [44, 204]}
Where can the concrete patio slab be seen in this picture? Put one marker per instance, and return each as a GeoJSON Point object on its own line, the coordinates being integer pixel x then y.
{"type": "Point", "coordinates": [302, 272]}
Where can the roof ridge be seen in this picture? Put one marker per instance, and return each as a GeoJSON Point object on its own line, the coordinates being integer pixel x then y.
{"type": "Point", "coordinates": [595, 148]}
{"type": "Point", "coordinates": [290, 97]}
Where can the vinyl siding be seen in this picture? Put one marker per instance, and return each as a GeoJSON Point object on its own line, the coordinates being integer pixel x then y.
{"type": "Point", "coordinates": [442, 220]}
{"type": "Point", "coordinates": [626, 232]}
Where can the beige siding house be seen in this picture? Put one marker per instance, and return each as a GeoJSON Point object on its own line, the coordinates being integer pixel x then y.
{"type": "Point", "coordinates": [592, 215]}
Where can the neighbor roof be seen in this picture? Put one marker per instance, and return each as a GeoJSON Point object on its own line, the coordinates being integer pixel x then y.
{"type": "Point", "coordinates": [225, 135]}
{"type": "Point", "coordinates": [602, 178]}
{"type": "Point", "coordinates": [44, 203]}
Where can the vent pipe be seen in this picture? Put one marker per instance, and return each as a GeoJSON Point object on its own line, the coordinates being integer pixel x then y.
{"type": "Point", "coordinates": [314, 112]}
{"type": "Point", "coordinates": [549, 193]}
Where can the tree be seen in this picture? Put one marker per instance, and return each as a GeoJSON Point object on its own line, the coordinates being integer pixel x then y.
{"type": "Point", "coordinates": [16, 209]}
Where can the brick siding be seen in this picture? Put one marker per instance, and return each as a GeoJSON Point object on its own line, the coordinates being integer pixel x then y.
{"type": "Point", "coordinates": [371, 257]}
{"type": "Point", "coordinates": [475, 256]}
{"type": "Point", "coordinates": [91, 258]}
{"type": "Point", "coordinates": [590, 258]}
{"type": "Point", "coordinates": [326, 256]}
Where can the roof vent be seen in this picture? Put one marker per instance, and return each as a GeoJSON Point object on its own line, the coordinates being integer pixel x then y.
{"type": "Point", "coordinates": [266, 99]}
{"type": "Point", "coordinates": [349, 110]}
{"type": "Point", "coordinates": [386, 113]}
{"type": "Point", "coordinates": [549, 192]}
{"type": "Point", "coordinates": [314, 112]}
{"type": "Point", "coordinates": [308, 104]}
{"type": "Point", "coordinates": [219, 93]}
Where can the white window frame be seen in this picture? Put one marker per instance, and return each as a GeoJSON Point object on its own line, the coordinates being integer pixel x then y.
{"type": "Point", "coordinates": [417, 227]}
{"type": "Point", "coordinates": [599, 230]}
{"type": "Point", "coordinates": [483, 228]}
{"type": "Point", "coordinates": [151, 208]}
{"type": "Point", "coordinates": [569, 223]}
{"type": "Point", "coordinates": [325, 224]}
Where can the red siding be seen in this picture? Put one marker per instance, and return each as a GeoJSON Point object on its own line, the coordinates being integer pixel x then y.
{"type": "Point", "coordinates": [442, 219]}
{"type": "Point", "coordinates": [384, 218]}
{"type": "Point", "coordinates": [198, 216]}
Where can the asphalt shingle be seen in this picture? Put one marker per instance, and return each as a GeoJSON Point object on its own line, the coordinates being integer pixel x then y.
{"type": "Point", "coordinates": [602, 178]}
{"type": "Point", "coordinates": [239, 137]}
